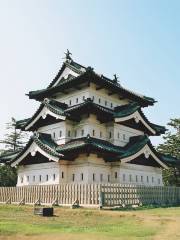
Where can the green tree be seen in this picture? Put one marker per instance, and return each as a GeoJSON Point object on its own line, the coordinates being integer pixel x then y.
{"type": "Point", "coordinates": [14, 139]}
{"type": "Point", "coordinates": [8, 176]}
{"type": "Point", "coordinates": [171, 146]}
{"type": "Point", "coordinates": [13, 142]}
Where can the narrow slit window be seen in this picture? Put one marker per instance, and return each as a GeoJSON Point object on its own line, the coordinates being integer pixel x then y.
{"type": "Point", "coordinates": [82, 132]}
{"type": "Point", "coordinates": [82, 177]}
{"type": "Point", "coordinates": [76, 100]}
{"type": "Point", "coordinates": [62, 175]}
{"type": "Point", "coordinates": [70, 102]}
{"type": "Point", "coordinates": [99, 100]}
{"type": "Point", "coordinates": [69, 133]}
{"type": "Point", "coordinates": [73, 177]}
{"type": "Point", "coordinates": [75, 133]}
{"type": "Point", "coordinates": [54, 177]}
{"type": "Point", "coordinates": [110, 135]}
{"type": "Point", "coordinates": [47, 177]}
{"type": "Point", "coordinates": [147, 179]}
{"type": "Point", "coordinates": [93, 132]}
{"type": "Point", "coordinates": [136, 178]}
{"type": "Point", "coordinates": [100, 134]}
{"type": "Point", "coordinates": [152, 179]}
{"type": "Point", "coordinates": [141, 178]}
{"type": "Point", "coordinates": [93, 177]}
{"type": "Point", "coordinates": [34, 178]}
{"type": "Point", "coordinates": [115, 175]}
{"type": "Point", "coordinates": [40, 178]}
{"type": "Point", "coordinates": [108, 177]}
{"type": "Point", "coordinates": [54, 135]}
{"type": "Point", "coordinates": [105, 103]}
{"type": "Point", "coordinates": [101, 177]}
{"type": "Point", "coordinates": [22, 180]}
{"type": "Point", "coordinates": [60, 133]}
{"type": "Point", "coordinates": [130, 178]}
{"type": "Point", "coordinates": [27, 178]}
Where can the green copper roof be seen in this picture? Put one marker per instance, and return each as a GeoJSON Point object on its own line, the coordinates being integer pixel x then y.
{"type": "Point", "coordinates": [135, 145]}
{"type": "Point", "coordinates": [89, 103]}
{"type": "Point", "coordinates": [77, 68]}
{"type": "Point", "coordinates": [128, 109]}
{"type": "Point", "coordinates": [44, 141]}
{"type": "Point", "coordinates": [104, 114]}
{"type": "Point", "coordinates": [87, 75]}
{"type": "Point", "coordinates": [54, 106]}
{"type": "Point", "coordinates": [89, 142]}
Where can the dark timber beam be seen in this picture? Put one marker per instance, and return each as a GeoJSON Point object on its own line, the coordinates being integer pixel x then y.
{"type": "Point", "coordinates": [121, 98]}
{"type": "Point", "coordinates": [99, 87]}
{"type": "Point", "coordinates": [77, 87]}
{"type": "Point", "coordinates": [111, 93]}
{"type": "Point", "coordinates": [63, 91]}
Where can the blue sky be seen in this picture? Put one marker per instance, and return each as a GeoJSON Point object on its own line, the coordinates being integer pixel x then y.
{"type": "Point", "coordinates": [137, 40]}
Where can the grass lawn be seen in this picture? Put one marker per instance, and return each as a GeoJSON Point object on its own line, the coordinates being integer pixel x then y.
{"type": "Point", "coordinates": [19, 223]}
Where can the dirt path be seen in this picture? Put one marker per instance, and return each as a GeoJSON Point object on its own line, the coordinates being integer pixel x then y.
{"type": "Point", "coordinates": [61, 236]}
{"type": "Point", "coordinates": [170, 231]}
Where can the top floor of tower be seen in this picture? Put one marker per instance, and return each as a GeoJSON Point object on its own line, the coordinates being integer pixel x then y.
{"type": "Point", "coordinates": [74, 83]}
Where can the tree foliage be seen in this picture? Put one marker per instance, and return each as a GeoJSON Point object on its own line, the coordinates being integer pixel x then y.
{"type": "Point", "coordinates": [14, 140]}
{"type": "Point", "coordinates": [8, 176]}
{"type": "Point", "coordinates": [171, 146]}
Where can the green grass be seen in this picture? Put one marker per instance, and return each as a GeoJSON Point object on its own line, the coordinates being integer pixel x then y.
{"type": "Point", "coordinates": [19, 221]}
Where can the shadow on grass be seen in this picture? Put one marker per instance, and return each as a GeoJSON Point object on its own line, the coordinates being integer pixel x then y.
{"type": "Point", "coordinates": [140, 208]}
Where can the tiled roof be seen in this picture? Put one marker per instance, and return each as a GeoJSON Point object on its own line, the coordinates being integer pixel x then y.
{"type": "Point", "coordinates": [88, 75]}
{"type": "Point", "coordinates": [88, 106]}
{"type": "Point", "coordinates": [128, 109]}
{"type": "Point", "coordinates": [89, 142]}
{"type": "Point", "coordinates": [135, 145]}
{"type": "Point", "coordinates": [105, 114]}
{"type": "Point", "coordinates": [72, 65]}
{"type": "Point", "coordinates": [45, 142]}
{"type": "Point", "coordinates": [54, 106]}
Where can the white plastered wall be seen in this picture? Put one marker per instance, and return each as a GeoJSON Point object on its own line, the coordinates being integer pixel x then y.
{"type": "Point", "coordinates": [78, 96]}
{"type": "Point", "coordinates": [103, 172]}
{"type": "Point", "coordinates": [140, 175]}
{"type": "Point", "coordinates": [31, 174]}
{"type": "Point", "coordinates": [54, 130]}
{"type": "Point", "coordinates": [119, 134]}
